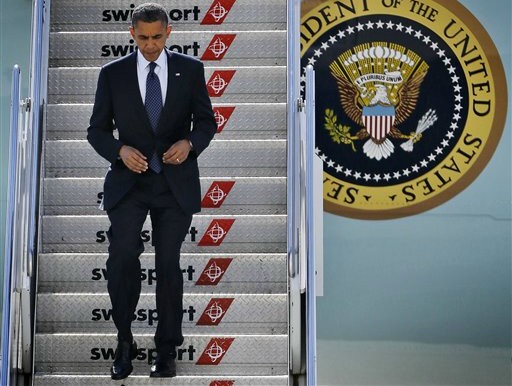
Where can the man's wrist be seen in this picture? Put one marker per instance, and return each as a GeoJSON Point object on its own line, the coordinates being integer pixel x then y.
{"type": "Point", "coordinates": [119, 152]}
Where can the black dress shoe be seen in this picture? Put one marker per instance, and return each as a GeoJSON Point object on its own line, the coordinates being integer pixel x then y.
{"type": "Point", "coordinates": [122, 366]}
{"type": "Point", "coordinates": [163, 367]}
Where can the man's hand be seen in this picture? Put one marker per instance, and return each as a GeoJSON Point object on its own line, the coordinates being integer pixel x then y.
{"type": "Point", "coordinates": [177, 153]}
{"type": "Point", "coordinates": [133, 159]}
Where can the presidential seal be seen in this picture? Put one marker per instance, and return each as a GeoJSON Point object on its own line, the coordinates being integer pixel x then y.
{"type": "Point", "coordinates": [411, 102]}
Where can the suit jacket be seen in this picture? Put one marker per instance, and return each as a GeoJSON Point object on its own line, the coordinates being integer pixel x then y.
{"type": "Point", "coordinates": [187, 114]}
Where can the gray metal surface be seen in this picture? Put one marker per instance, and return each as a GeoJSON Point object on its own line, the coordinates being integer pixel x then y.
{"type": "Point", "coordinates": [86, 49]}
{"type": "Point", "coordinates": [223, 158]}
{"type": "Point", "coordinates": [144, 380]}
{"type": "Point", "coordinates": [90, 15]}
{"type": "Point", "coordinates": [248, 84]}
{"type": "Point", "coordinates": [256, 234]}
{"type": "Point", "coordinates": [202, 273]}
{"type": "Point", "coordinates": [93, 353]}
{"type": "Point", "coordinates": [202, 314]}
{"type": "Point", "coordinates": [248, 195]}
{"type": "Point", "coordinates": [247, 121]}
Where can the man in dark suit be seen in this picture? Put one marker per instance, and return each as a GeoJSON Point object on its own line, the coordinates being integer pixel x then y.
{"type": "Point", "coordinates": [159, 104]}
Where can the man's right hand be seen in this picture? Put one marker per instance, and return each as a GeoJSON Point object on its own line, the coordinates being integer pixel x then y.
{"type": "Point", "coordinates": [133, 159]}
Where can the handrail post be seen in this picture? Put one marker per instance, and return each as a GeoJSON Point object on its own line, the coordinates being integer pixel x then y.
{"type": "Point", "coordinates": [9, 267]}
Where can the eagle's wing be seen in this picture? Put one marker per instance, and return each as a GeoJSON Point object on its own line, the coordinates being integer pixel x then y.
{"type": "Point", "coordinates": [348, 98]}
{"type": "Point", "coordinates": [408, 97]}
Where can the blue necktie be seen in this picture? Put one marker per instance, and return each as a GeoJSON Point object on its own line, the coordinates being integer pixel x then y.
{"type": "Point", "coordinates": [154, 106]}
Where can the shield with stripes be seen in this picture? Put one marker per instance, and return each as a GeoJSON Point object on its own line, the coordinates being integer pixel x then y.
{"type": "Point", "coordinates": [378, 120]}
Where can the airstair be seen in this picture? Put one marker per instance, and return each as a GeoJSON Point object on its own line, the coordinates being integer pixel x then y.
{"type": "Point", "coordinates": [244, 295]}
{"type": "Point", "coordinates": [234, 257]}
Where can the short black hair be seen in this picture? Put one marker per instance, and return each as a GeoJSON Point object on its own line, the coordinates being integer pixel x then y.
{"type": "Point", "coordinates": [149, 13]}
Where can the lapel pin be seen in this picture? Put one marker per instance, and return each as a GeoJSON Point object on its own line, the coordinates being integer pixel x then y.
{"type": "Point", "coordinates": [178, 74]}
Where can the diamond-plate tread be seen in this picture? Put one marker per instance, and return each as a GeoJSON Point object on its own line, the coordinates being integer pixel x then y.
{"type": "Point", "coordinates": [258, 233]}
{"type": "Point", "coordinates": [257, 84]}
{"type": "Point", "coordinates": [248, 84]}
{"type": "Point", "coordinates": [202, 314]}
{"type": "Point", "coordinates": [205, 273]}
{"type": "Point", "coordinates": [141, 380]}
{"type": "Point", "coordinates": [86, 49]}
{"type": "Point", "coordinates": [226, 158]}
{"type": "Point", "coordinates": [93, 354]}
{"type": "Point", "coordinates": [89, 15]}
{"type": "Point", "coordinates": [247, 121]}
{"type": "Point", "coordinates": [259, 195]}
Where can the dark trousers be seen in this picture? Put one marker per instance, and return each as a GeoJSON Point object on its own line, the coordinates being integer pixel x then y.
{"type": "Point", "coordinates": [170, 225]}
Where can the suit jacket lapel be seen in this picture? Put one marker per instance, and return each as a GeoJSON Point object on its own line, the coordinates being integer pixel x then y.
{"type": "Point", "coordinates": [173, 85]}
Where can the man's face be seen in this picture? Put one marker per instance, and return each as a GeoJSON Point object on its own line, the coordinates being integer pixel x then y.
{"type": "Point", "coordinates": [150, 38]}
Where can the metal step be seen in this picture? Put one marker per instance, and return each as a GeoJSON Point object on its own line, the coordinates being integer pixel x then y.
{"type": "Point", "coordinates": [223, 158]}
{"type": "Point", "coordinates": [144, 380]}
{"type": "Point", "coordinates": [90, 15]}
{"type": "Point", "coordinates": [241, 195]}
{"type": "Point", "coordinates": [202, 273]}
{"type": "Point", "coordinates": [199, 355]}
{"type": "Point", "coordinates": [236, 121]}
{"type": "Point", "coordinates": [225, 84]}
{"type": "Point", "coordinates": [210, 234]}
{"type": "Point", "coordinates": [202, 314]}
{"type": "Point", "coordinates": [240, 48]}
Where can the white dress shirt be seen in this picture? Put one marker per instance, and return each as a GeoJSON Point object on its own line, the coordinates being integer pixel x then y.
{"type": "Point", "coordinates": [160, 71]}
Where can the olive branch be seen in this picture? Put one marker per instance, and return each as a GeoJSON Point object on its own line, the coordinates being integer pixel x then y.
{"type": "Point", "coordinates": [339, 133]}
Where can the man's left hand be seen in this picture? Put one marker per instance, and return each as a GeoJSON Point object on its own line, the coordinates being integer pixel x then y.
{"type": "Point", "coordinates": [177, 153]}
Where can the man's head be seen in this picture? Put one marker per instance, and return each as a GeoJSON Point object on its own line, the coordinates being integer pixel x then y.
{"type": "Point", "coordinates": [150, 29]}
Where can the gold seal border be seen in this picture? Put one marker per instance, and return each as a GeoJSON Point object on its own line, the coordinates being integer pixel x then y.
{"type": "Point", "coordinates": [495, 130]}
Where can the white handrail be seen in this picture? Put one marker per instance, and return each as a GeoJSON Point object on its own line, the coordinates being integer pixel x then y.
{"type": "Point", "coordinates": [310, 228]}
{"type": "Point", "coordinates": [38, 85]}
{"type": "Point", "coordinates": [38, 66]}
{"type": "Point", "coordinates": [293, 187]}
{"type": "Point", "coordinates": [293, 133]}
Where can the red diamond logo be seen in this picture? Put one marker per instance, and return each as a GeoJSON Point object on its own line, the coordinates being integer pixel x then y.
{"type": "Point", "coordinates": [219, 81]}
{"type": "Point", "coordinates": [215, 311]}
{"type": "Point", "coordinates": [216, 232]}
{"type": "Point", "coordinates": [215, 351]}
{"type": "Point", "coordinates": [218, 12]}
{"type": "Point", "coordinates": [222, 383]}
{"type": "Point", "coordinates": [216, 194]}
{"type": "Point", "coordinates": [214, 271]}
{"type": "Point", "coordinates": [222, 115]}
{"type": "Point", "coordinates": [218, 47]}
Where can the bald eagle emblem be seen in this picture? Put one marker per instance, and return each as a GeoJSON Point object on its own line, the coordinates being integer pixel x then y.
{"type": "Point", "coordinates": [379, 86]}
